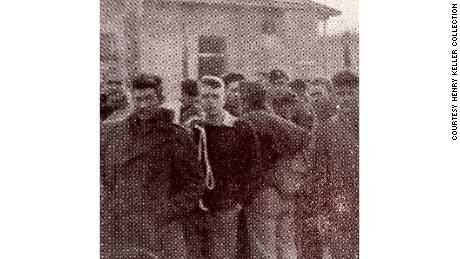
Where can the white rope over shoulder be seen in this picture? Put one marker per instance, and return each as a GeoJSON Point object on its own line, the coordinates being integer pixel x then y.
{"type": "Point", "coordinates": [203, 148]}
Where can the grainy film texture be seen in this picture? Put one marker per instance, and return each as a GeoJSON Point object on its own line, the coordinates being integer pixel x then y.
{"type": "Point", "coordinates": [229, 129]}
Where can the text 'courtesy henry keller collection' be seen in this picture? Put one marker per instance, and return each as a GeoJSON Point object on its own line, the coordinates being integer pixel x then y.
{"type": "Point", "coordinates": [454, 72]}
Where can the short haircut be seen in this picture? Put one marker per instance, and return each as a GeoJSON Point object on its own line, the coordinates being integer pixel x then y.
{"type": "Point", "coordinates": [189, 87]}
{"type": "Point", "coordinates": [144, 82]}
{"type": "Point", "coordinates": [232, 77]}
{"type": "Point", "coordinates": [345, 79]}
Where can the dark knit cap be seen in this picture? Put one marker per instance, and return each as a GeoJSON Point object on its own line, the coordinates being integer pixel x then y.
{"type": "Point", "coordinates": [232, 77]}
{"type": "Point", "coordinates": [345, 79]}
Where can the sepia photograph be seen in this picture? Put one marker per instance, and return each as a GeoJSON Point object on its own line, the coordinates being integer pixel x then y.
{"type": "Point", "coordinates": [229, 129]}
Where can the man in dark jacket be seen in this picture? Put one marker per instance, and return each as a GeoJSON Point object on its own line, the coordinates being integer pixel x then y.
{"type": "Point", "coordinates": [220, 144]}
{"type": "Point", "coordinates": [150, 179]}
{"type": "Point", "coordinates": [271, 186]}
{"type": "Point", "coordinates": [337, 161]}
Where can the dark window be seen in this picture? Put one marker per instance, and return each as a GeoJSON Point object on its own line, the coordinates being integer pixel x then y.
{"type": "Point", "coordinates": [211, 55]}
{"type": "Point", "coordinates": [211, 44]}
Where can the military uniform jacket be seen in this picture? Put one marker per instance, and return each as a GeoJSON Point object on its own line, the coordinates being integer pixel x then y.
{"type": "Point", "coordinates": [150, 176]}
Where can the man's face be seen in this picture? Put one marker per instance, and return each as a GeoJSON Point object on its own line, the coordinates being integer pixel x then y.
{"type": "Point", "coordinates": [347, 99]}
{"type": "Point", "coordinates": [213, 99]}
{"type": "Point", "coordinates": [146, 102]}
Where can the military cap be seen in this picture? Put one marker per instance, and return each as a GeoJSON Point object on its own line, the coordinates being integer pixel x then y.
{"type": "Point", "coordinates": [213, 81]}
{"type": "Point", "coordinates": [276, 75]}
{"type": "Point", "coordinates": [345, 79]}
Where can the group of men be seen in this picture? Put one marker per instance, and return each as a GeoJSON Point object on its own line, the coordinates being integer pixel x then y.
{"type": "Point", "coordinates": [253, 169]}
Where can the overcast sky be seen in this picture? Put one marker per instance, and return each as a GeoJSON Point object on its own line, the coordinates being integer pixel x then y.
{"type": "Point", "coordinates": [348, 20]}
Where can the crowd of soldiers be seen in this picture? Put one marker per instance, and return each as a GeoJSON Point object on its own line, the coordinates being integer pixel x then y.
{"type": "Point", "coordinates": [246, 169]}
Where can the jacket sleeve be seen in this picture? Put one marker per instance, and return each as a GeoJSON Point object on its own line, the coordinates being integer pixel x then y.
{"type": "Point", "coordinates": [188, 187]}
{"type": "Point", "coordinates": [249, 177]}
{"type": "Point", "coordinates": [303, 117]}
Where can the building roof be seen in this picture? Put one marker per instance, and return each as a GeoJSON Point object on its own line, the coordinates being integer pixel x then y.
{"type": "Point", "coordinates": [321, 9]}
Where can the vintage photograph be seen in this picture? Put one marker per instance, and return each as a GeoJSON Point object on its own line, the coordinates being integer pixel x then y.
{"type": "Point", "coordinates": [229, 129]}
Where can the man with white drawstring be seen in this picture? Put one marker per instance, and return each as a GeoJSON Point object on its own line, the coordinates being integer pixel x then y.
{"type": "Point", "coordinates": [219, 143]}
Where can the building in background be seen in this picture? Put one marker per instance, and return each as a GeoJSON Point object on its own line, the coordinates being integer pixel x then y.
{"type": "Point", "coordinates": [190, 38]}
{"type": "Point", "coordinates": [339, 51]}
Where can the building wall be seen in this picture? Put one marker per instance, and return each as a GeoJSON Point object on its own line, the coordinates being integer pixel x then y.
{"type": "Point", "coordinates": [331, 50]}
{"type": "Point", "coordinates": [170, 34]}
{"type": "Point", "coordinates": [111, 26]}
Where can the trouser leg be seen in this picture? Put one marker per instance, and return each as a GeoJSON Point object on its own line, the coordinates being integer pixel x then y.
{"type": "Point", "coordinates": [261, 234]}
{"type": "Point", "coordinates": [345, 240]}
{"type": "Point", "coordinates": [194, 235]}
{"type": "Point", "coordinates": [310, 241]}
{"type": "Point", "coordinates": [222, 234]}
{"type": "Point", "coordinates": [285, 237]}
{"type": "Point", "coordinates": [172, 241]}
